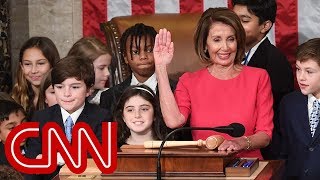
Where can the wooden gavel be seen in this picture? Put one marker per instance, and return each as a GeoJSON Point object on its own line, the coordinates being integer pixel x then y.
{"type": "Point", "coordinates": [211, 142]}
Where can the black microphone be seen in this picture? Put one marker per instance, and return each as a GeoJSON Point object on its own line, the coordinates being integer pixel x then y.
{"type": "Point", "coordinates": [234, 130]}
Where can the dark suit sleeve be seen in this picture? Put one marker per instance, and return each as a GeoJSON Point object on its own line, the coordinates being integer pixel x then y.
{"type": "Point", "coordinates": [282, 83]}
{"type": "Point", "coordinates": [34, 145]}
{"type": "Point", "coordinates": [281, 76]}
{"type": "Point", "coordinates": [284, 135]}
{"type": "Point", "coordinates": [173, 84]}
{"type": "Point", "coordinates": [102, 115]}
{"type": "Point", "coordinates": [105, 99]}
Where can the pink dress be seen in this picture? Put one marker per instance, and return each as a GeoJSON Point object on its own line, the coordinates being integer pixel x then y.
{"type": "Point", "coordinates": [211, 102]}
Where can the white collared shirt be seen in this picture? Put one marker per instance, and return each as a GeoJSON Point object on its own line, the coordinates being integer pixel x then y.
{"type": "Point", "coordinates": [96, 98]}
{"type": "Point", "coordinates": [253, 50]}
{"type": "Point", "coordinates": [151, 82]}
{"type": "Point", "coordinates": [311, 99]}
{"type": "Point", "coordinates": [75, 115]}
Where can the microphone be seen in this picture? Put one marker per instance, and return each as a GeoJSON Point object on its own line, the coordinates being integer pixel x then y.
{"type": "Point", "coordinates": [233, 129]}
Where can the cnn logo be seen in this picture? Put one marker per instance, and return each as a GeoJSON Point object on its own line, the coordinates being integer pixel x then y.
{"type": "Point", "coordinates": [54, 140]}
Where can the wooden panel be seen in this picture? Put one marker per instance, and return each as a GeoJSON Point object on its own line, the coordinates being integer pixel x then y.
{"type": "Point", "coordinates": [178, 161]}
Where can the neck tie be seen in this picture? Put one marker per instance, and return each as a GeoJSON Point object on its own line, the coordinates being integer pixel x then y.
{"type": "Point", "coordinates": [68, 128]}
{"type": "Point", "coordinates": [314, 117]}
{"type": "Point", "coordinates": [245, 59]}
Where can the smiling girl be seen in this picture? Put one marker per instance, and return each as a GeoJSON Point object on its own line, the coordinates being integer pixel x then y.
{"type": "Point", "coordinates": [37, 56]}
{"type": "Point", "coordinates": [139, 117]}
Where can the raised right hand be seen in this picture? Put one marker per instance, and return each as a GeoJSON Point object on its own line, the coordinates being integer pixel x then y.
{"type": "Point", "coordinates": [163, 48]}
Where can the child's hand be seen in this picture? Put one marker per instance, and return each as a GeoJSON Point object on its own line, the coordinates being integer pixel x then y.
{"type": "Point", "coordinates": [163, 48]}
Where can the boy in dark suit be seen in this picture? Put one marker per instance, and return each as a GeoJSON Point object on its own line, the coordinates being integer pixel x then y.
{"type": "Point", "coordinates": [136, 45]}
{"type": "Point", "coordinates": [72, 78]}
{"type": "Point", "coordinates": [299, 115]}
{"type": "Point", "coordinates": [257, 18]}
{"type": "Point", "coordinates": [11, 115]}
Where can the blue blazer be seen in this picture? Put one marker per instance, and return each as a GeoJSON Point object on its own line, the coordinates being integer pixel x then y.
{"type": "Point", "coordinates": [301, 150]}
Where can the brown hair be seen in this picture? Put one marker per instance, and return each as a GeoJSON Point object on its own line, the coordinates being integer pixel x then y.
{"type": "Point", "coordinates": [45, 83]}
{"type": "Point", "coordinates": [73, 67]}
{"type": "Point", "coordinates": [159, 129]}
{"type": "Point", "coordinates": [89, 48]}
{"type": "Point", "coordinates": [309, 50]}
{"type": "Point", "coordinates": [22, 91]}
{"type": "Point", "coordinates": [7, 107]}
{"type": "Point", "coordinates": [225, 16]}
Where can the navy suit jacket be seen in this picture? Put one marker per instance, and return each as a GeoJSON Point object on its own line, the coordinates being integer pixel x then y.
{"type": "Point", "coordinates": [299, 147]}
{"type": "Point", "coordinates": [268, 57]}
{"type": "Point", "coordinates": [3, 158]}
{"type": "Point", "coordinates": [92, 114]}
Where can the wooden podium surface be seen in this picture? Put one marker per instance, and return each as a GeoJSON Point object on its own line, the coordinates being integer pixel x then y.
{"type": "Point", "coordinates": [182, 163]}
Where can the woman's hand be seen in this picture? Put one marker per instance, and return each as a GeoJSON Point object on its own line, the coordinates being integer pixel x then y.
{"type": "Point", "coordinates": [236, 144]}
{"type": "Point", "coordinates": [256, 141]}
{"type": "Point", "coordinates": [163, 48]}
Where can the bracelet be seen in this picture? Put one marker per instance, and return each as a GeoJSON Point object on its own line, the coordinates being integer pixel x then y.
{"type": "Point", "coordinates": [248, 142]}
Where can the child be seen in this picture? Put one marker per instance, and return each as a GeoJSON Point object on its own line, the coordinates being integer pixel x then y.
{"type": "Point", "coordinates": [47, 97]}
{"type": "Point", "coordinates": [257, 18]}
{"type": "Point", "coordinates": [11, 115]}
{"type": "Point", "coordinates": [299, 115]}
{"type": "Point", "coordinates": [136, 45]}
{"type": "Point", "coordinates": [72, 78]}
{"type": "Point", "coordinates": [93, 50]}
{"type": "Point", "coordinates": [37, 56]}
{"type": "Point", "coordinates": [139, 117]}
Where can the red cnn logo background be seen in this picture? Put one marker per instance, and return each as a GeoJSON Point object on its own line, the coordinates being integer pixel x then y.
{"type": "Point", "coordinates": [54, 140]}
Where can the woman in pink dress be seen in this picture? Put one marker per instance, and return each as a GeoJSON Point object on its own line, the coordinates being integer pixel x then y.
{"type": "Point", "coordinates": [224, 91]}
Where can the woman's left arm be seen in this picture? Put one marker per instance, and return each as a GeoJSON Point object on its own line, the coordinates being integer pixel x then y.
{"type": "Point", "coordinates": [264, 123]}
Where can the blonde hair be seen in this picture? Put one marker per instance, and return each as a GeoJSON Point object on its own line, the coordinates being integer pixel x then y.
{"type": "Point", "coordinates": [89, 48]}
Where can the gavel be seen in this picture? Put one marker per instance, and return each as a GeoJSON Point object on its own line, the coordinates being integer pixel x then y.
{"type": "Point", "coordinates": [211, 143]}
